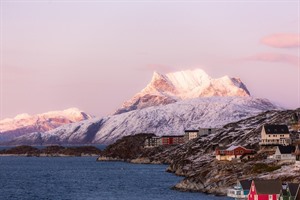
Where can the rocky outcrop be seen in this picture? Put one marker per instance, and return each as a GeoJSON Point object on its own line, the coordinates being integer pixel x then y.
{"type": "Point", "coordinates": [125, 149]}
{"type": "Point", "coordinates": [195, 160]}
{"type": "Point", "coordinates": [51, 151]}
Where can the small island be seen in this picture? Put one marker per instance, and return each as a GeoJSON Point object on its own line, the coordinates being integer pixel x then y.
{"type": "Point", "coordinates": [51, 151]}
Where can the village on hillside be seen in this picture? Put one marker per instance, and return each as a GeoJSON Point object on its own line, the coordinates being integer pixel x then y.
{"type": "Point", "coordinates": [281, 142]}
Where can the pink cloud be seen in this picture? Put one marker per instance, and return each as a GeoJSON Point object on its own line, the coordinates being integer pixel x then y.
{"type": "Point", "coordinates": [282, 40]}
{"type": "Point", "coordinates": [275, 57]}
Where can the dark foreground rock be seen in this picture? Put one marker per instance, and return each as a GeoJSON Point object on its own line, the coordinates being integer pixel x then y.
{"type": "Point", "coordinates": [196, 162]}
{"type": "Point", "coordinates": [125, 149]}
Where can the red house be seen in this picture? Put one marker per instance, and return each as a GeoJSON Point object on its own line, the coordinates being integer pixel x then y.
{"type": "Point", "coordinates": [265, 190]}
{"type": "Point", "coordinates": [233, 152]}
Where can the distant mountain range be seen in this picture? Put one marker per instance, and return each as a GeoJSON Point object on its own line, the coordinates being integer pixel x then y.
{"type": "Point", "coordinates": [24, 123]}
{"type": "Point", "coordinates": [169, 104]}
{"type": "Point", "coordinates": [169, 119]}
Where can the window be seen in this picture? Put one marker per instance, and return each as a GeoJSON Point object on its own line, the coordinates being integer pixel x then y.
{"type": "Point", "coordinates": [242, 151]}
{"type": "Point", "coordinates": [270, 197]}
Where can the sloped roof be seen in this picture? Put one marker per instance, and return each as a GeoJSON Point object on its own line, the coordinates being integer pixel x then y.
{"type": "Point", "coordinates": [191, 130]}
{"type": "Point", "coordinates": [276, 129]}
{"type": "Point", "coordinates": [233, 147]}
{"type": "Point", "coordinates": [268, 186]}
{"type": "Point", "coordinates": [293, 188]}
{"type": "Point", "coordinates": [246, 184]}
{"type": "Point", "coordinates": [172, 136]}
{"type": "Point", "coordinates": [286, 149]}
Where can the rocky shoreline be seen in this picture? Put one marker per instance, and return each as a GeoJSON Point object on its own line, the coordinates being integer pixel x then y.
{"type": "Point", "coordinates": [196, 162]}
{"type": "Point", "coordinates": [51, 151]}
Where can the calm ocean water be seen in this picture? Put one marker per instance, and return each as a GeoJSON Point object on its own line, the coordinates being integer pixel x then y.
{"type": "Point", "coordinates": [72, 178]}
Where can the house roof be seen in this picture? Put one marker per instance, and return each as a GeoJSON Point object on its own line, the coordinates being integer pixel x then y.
{"type": "Point", "coordinates": [246, 184]}
{"type": "Point", "coordinates": [276, 129]}
{"type": "Point", "coordinates": [191, 130]}
{"type": "Point", "coordinates": [293, 188]}
{"type": "Point", "coordinates": [268, 186]}
{"type": "Point", "coordinates": [233, 147]}
{"type": "Point", "coordinates": [172, 136]}
{"type": "Point", "coordinates": [286, 149]}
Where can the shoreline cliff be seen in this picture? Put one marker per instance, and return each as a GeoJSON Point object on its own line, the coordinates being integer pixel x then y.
{"type": "Point", "coordinates": [196, 162]}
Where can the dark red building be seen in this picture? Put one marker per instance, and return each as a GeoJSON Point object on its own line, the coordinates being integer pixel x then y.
{"type": "Point", "coordinates": [233, 152]}
{"type": "Point", "coordinates": [265, 190]}
{"type": "Point", "coordinates": [171, 139]}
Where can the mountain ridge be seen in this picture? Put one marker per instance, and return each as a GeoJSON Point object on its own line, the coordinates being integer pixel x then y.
{"type": "Point", "coordinates": [25, 123]}
{"type": "Point", "coordinates": [162, 120]}
{"type": "Point", "coordinates": [168, 105]}
{"type": "Point", "coordinates": [177, 86]}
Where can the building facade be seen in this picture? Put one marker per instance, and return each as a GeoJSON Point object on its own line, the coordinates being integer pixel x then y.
{"type": "Point", "coordinates": [206, 131]}
{"type": "Point", "coordinates": [190, 134]}
{"type": "Point", "coordinates": [152, 142]}
{"type": "Point", "coordinates": [285, 153]}
{"type": "Point", "coordinates": [171, 139]}
{"type": "Point", "coordinates": [233, 152]}
{"type": "Point", "coordinates": [241, 190]}
{"type": "Point", "coordinates": [265, 190]}
{"type": "Point", "coordinates": [275, 135]}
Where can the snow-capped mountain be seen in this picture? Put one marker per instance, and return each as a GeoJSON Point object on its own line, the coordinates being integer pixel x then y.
{"type": "Point", "coordinates": [25, 123]}
{"type": "Point", "coordinates": [161, 120]}
{"type": "Point", "coordinates": [189, 84]}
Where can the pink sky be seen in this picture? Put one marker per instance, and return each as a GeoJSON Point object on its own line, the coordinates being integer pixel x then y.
{"type": "Point", "coordinates": [95, 55]}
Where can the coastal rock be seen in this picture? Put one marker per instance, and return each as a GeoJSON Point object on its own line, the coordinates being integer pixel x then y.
{"type": "Point", "coordinates": [195, 159]}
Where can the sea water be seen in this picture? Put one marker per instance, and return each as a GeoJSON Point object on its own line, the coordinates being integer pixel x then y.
{"type": "Point", "coordinates": [72, 178]}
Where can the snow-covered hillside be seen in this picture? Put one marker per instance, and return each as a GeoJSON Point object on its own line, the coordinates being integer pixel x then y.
{"type": "Point", "coordinates": [25, 123]}
{"type": "Point", "coordinates": [189, 84]}
{"type": "Point", "coordinates": [161, 120]}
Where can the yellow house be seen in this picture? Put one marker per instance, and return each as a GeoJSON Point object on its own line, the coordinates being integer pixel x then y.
{"type": "Point", "coordinates": [275, 135]}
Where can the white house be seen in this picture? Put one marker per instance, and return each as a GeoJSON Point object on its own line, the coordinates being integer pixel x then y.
{"type": "Point", "coordinates": [285, 153]}
{"type": "Point", "coordinates": [275, 135]}
{"type": "Point", "coordinates": [190, 134]}
{"type": "Point", "coordinates": [206, 131]}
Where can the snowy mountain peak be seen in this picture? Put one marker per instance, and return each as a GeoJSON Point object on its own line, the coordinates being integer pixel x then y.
{"type": "Point", "coordinates": [25, 123]}
{"type": "Point", "coordinates": [187, 84]}
{"type": "Point", "coordinates": [22, 116]}
{"type": "Point", "coordinates": [189, 79]}
{"type": "Point", "coordinates": [171, 119]}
